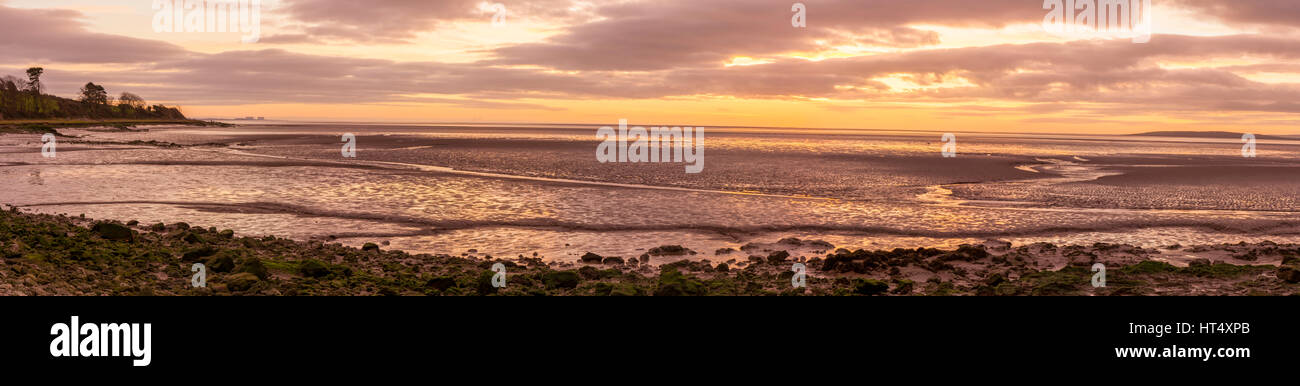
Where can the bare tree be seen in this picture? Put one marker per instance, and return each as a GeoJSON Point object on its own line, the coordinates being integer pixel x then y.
{"type": "Point", "coordinates": [12, 83]}
{"type": "Point", "coordinates": [129, 99]}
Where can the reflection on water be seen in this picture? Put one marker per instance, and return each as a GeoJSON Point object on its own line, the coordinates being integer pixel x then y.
{"type": "Point", "coordinates": [509, 192]}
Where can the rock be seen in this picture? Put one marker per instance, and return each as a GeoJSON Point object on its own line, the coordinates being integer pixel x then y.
{"type": "Point", "coordinates": [790, 241]}
{"type": "Point", "coordinates": [778, 257]}
{"type": "Point", "coordinates": [228, 234]}
{"type": "Point", "coordinates": [197, 254]}
{"type": "Point", "coordinates": [994, 279]}
{"type": "Point", "coordinates": [159, 227]}
{"type": "Point", "coordinates": [869, 286]}
{"type": "Point", "coordinates": [223, 262]}
{"type": "Point", "coordinates": [441, 283]}
{"type": "Point", "coordinates": [241, 281]}
{"type": "Point", "coordinates": [254, 266]}
{"type": "Point", "coordinates": [1288, 274]}
{"type": "Point", "coordinates": [484, 283]}
{"type": "Point", "coordinates": [723, 267]}
{"type": "Point", "coordinates": [645, 257]}
{"type": "Point", "coordinates": [370, 247]}
{"type": "Point", "coordinates": [613, 260]}
{"type": "Point", "coordinates": [904, 287]}
{"type": "Point", "coordinates": [1082, 260]}
{"type": "Point", "coordinates": [560, 279]}
{"type": "Point", "coordinates": [182, 226]}
{"type": "Point", "coordinates": [668, 250]}
{"type": "Point", "coordinates": [132, 223]}
{"type": "Point", "coordinates": [591, 258]}
{"type": "Point", "coordinates": [111, 231]}
{"type": "Point", "coordinates": [313, 268]}
{"type": "Point", "coordinates": [723, 251]}
{"type": "Point", "coordinates": [819, 244]}
{"type": "Point", "coordinates": [1198, 262]}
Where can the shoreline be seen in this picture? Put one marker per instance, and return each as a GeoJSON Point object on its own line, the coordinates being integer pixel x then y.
{"type": "Point", "coordinates": [44, 254]}
{"type": "Point", "coordinates": [51, 126]}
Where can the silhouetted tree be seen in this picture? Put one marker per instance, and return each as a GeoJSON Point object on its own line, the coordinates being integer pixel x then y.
{"type": "Point", "coordinates": [34, 80]}
{"type": "Point", "coordinates": [12, 83]}
{"type": "Point", "coordinates": [129, 99]}
{"type": "Point", "coordinates": [94, 94]}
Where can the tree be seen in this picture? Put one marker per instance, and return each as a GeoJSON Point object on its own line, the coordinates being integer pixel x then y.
{"type": "Point", "coordinates": [34, 80]}
{"type": "Point", "coordinates": [129, 99]}
{"type": "Point", "coordinates": [94, 94]}
{"type": "Point", "coordinates": [12, 83]}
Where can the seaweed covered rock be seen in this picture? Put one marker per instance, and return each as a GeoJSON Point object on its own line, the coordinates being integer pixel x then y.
{"type": "Point", "coordinates": [869, 287]}
{"type": "Point", "coordinates": [240, 282]}
{"type": "Point", "coordinates": [112, 231]}
{"type": "Point", "coordinates": [441, 283]}
{"type": "Point", "coordinates": [669, 250]}
{"type": "Point", "coordinates": [591, 258]}
{"type": "Point", "coordinates": [560, 279]}
{"type": "Point", "coordinates": [673, 283]}
{"type": "Point", "coordinates": [778, 257]}
{"type": "Point", "coordinates": [1289, 274]}
{"type": "Point", "coordinates": [198, 254]}
{"type": "Point", "coordinates": [313, 268]}
{"type": "Point", "coordinates": [254, 266]}
{"type": "Point", "coordinates": [223, 262]}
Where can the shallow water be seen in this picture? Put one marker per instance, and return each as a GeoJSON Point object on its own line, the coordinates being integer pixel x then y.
{"type": "Point", "coordinates": [512, 191]}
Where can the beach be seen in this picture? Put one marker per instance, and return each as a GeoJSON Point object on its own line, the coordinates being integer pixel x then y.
{"type": "Point", "coordinates": [537, 197]}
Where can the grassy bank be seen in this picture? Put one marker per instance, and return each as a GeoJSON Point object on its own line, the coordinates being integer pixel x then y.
{"type": "Point", "coordinates": [62, 255]}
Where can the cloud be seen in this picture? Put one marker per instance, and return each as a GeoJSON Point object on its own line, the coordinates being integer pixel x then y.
{"type": "Point", "coordinates": [401, 21]}
{"type": "Point", "coordinates": [39, 35]}
{"type": "Point", "coordinates": [657, 35]}
{"type": "Point", "coordinates": [1269, 12]}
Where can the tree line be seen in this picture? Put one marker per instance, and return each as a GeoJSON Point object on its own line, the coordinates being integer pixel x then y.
{"type": "Point", "coordinates": [26, 99]}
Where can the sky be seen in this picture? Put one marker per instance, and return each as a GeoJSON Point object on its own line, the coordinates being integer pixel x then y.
{"type": "Point", "coordinates": [935, 65]}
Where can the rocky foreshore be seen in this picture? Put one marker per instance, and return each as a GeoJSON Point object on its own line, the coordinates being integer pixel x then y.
{"type": "Point", "coordinates": [48, 255]}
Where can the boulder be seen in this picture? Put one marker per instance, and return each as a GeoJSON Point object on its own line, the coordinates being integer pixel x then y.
{"type": "Point", "coordinates": [313, 268]}
{"type": "Point", "coordinates": [111, 231]}
{"type": "Point", "coordinates": [591, 258]}
{"type": "Point", "coordinates": [778, 257]}
{"type": "Point", "coordinates": [560, 279]}
{"type": "Point", "coordinates": [241, 281]}
{"type": "Point", "coordinates": [1289, 274]}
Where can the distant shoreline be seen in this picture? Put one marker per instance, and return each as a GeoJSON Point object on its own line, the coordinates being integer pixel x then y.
{"type": "Point", "coordinates": [51, 126]}
{"type": "Point", "coordinates": [1212, 134]}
